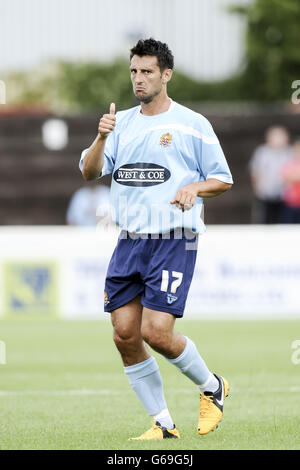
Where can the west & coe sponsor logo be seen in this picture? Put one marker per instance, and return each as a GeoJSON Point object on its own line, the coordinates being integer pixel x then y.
{"type": "Point", "coordinates": [141, 174]}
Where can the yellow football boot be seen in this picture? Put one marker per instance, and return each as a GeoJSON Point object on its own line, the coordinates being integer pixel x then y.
{"type": "Point", "coordinates": [157, 432]}
{"type": "Point", "coordinates": [211, 407]}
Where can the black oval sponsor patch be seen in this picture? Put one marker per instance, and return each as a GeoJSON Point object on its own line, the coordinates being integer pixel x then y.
{"type": "Point", "coordinates": [141, 174]}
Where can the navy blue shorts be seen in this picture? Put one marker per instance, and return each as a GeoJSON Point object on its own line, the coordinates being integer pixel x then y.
{"type": "Point", "coordinates": [160, 270]}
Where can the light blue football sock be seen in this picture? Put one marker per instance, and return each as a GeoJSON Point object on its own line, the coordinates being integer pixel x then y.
{"type": "Point", "coordinates": [146, 381]}
{"type": "Point", "coordinates": [191, 364]}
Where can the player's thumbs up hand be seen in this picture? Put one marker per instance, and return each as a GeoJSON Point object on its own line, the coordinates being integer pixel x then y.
{"type": "Point", "coordinates": [107, 122]}
{"type": "Point", "coordinates": [112, 108]}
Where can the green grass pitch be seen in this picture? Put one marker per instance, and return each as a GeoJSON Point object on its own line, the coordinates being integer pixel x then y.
{"type": "Point", "coordinates": [63, 387]}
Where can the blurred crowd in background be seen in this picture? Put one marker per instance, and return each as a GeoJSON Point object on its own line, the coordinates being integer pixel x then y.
{"type": "Point", "coordinates": [236, 61]}
{"type": "Point", "coordinates": [275, 178]}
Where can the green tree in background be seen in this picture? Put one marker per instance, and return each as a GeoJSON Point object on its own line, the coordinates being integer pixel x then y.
{"type": "Point", "coordinates": [272, 57]}
{"type": "Point", "coordinates": [72, 87]}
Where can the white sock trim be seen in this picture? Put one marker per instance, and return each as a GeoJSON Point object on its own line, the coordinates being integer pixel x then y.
{"type": "Point", "coordinates": [164, 418]}
{"type": "Point", "coordinates": [207, 381]}
{"type": "Point", "coordinates": [211, 384]}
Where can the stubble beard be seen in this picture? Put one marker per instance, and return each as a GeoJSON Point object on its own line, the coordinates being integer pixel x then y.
{"type": "Point", "coordinates": [148, 98]}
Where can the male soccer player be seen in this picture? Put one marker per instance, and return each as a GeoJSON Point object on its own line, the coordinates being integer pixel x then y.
{"type": "Point", "coordinates": [164, 159]}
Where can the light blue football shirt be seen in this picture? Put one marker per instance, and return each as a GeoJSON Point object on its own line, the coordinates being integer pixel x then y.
{"type": "Point", "coordinates": [150, 158]}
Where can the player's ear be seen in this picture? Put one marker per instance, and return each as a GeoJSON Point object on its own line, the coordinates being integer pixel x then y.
{"type": "Point", "coordinates": [166, 75]}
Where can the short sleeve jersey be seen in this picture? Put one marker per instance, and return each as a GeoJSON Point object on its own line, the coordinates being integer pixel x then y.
{"type": "Point", "coordinates": [266, 165]}
{"type": "Point", "coordinates": [151, 158]}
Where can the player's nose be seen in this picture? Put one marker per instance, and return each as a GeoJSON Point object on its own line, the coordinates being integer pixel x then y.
{"type": "Point", "coordinates": [138, 77]}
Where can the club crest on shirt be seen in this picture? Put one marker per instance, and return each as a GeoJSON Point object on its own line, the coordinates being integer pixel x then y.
{"type": "Point", "coordinates": [166, 139]}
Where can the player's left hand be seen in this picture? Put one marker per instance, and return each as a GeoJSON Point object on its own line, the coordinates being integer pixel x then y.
{"type": "Point", "coordinates": [185, 197]}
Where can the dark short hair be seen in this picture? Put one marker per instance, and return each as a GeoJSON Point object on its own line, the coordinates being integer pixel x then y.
{"type": "Point", "coordinates": [165, 58]}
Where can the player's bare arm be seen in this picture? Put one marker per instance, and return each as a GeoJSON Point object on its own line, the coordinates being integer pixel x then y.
{"type": "Point", "coordinates": [186, 196]}
{"type": "Point", "coordinates": [93, 160]}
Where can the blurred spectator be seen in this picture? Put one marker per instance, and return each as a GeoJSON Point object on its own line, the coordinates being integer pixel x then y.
{"type": "Point", "coordinates": [89, 205]}
{"type": "Point", "coordinates": [265, 166]}
{"type": "Point", "coordinates": [291, 179]}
